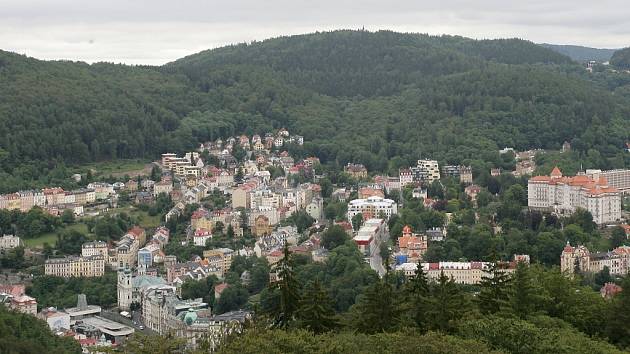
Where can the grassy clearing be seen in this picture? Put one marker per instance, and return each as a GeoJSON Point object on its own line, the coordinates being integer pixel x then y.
{"type": "Point", "coordinates": [51, 237]}
{"type": "Point", "coordinates": [145, 220]}
{"type": "Point", "coordinates": [117, 167]}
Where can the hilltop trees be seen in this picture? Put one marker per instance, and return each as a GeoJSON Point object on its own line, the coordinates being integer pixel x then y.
{"type": "Point", "coordinates": [396, 81]}
{"type": "Point", "coordinates": [621, 59]}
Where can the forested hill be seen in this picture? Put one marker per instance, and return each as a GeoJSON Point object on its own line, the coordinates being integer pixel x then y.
{"type": "Point", "coordinates": [582, 54]}
{"type": "Point", "coordinates": [350, 63]}
{"type": "Point", "coordinates": [380, 98]}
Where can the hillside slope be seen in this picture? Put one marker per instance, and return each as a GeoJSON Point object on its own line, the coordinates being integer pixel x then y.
{"type": "Point", "coordinates": [382, 99]}
{"type": "Point", "coordinates": [621, 59]}
{"type": "Point", "coordinates": [582, 54]}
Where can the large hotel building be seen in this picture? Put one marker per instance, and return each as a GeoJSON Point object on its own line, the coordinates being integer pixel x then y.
{"type": "Point", "coordinates": [563, 195]}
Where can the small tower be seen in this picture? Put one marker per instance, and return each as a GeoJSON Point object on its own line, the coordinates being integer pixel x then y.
{"type": "Point", "coordinates": [124, 288]}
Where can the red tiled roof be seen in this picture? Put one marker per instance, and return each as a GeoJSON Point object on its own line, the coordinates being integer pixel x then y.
{"type": "Point", "coordinates": [556, 172]}
{"type": "Point", "coordinates": [137, 231]}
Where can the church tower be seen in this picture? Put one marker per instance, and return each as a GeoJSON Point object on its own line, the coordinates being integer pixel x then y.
{"type": "Point", "coordinates": [125, 290]}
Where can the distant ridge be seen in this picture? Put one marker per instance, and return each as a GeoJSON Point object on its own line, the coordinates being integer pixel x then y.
{"type": "Point", "coordinates": [581, 54]}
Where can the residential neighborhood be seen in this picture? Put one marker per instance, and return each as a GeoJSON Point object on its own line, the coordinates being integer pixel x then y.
{"type": "Point", "coordinates": [219, 209]}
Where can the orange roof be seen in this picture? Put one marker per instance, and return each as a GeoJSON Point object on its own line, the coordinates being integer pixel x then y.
{"type": "Point", "coordinates": [137, 231]}
{"type": "Point", "coordinates": [220, 287]}
{"type": "Point", "coordinates": [540, 179]}
{"type": "Point", "coordinates": [556, 172]}
{"type": "Point", "coordinates": [405, 241]}
{"type": "Point", "coordinates": [568, 248]}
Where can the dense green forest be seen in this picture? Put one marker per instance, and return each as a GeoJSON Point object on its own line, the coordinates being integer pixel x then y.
{"type": "Point", "coordinates": [621, 59]}
{"type": "Point", "coordinates": [582, 54]}
{"type": "Point", "coordinates": [451, 98]}
{"type": "Point", "coordinates": [24, 334]}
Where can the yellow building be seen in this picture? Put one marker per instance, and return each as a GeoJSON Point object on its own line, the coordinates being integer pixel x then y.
{"type": "Point", "coordinates": [72, 266]}
{"type": "Point", "coordinates": [223, 255]}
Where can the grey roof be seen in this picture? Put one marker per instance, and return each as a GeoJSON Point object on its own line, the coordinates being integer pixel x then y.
{"type": "Point", "coordinates": [142, 281]}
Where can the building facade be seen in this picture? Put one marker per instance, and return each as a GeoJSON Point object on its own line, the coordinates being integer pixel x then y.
{"type": "Point", "coordinates": [10, 241]}
{"type": "Point", "coordinates": [619, 179]}
{"type": "Point", "coordinates": [580, 258]}
{"type": "Point", "coordinates": [563, 195]}
{"type": "Point", "coordinates": [469, 273]}
{"type": "Point", "coordinates": [95, 248]}
{"type": "Point", "coordinates": [372, 207]}
{"type": "Point", "coordinates": [72, 266]}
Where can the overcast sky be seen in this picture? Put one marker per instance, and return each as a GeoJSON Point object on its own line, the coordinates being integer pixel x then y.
{"type": "Point", "coordinates": [159, 31]}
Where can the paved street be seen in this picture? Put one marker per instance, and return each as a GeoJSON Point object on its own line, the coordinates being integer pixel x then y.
{"type": "Point", "coordinates": [135, 321]}
{"type": "Point", "coordinates": [376, 262]}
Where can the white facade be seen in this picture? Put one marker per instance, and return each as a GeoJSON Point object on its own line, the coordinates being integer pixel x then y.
{"type": "Point", "coordinates": [430, 169]}
{"type": "Point", "coordinates": [372, 207]}
{"type": "Point", "coordinates": [10, 241]}
{"type": "Point", "coordinates": [563, 195]}
{"type": "Point", "coordinates": [619, 179]}
{"type": "Point", "coordinates": [461, 272]}
{"type": "Point", "coordinates": [94, 248]}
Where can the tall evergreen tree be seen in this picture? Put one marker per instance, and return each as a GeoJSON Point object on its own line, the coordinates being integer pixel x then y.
{"type": "Point", "coordinates": [377, 310]}
{"type": "Point", "coordinates": [316, 312]}
{"type": "Point", "coordinates": [494, 293]}
{"type": "Point", "coordinates": [447, 303]}
{"type": "Point", "coordinates": [418, 294]}
{"type": "Point", "coordinates": [523, 295]}
{"type": "Point", "coordinates": [289, 291]}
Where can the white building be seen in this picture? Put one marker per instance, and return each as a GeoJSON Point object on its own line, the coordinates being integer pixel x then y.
{"type": "Point", "coordinates": [10, 241]}
{"type": "Point", "coordinates": [372, 207]}
{"type": "Point", "coordinates": [406, 177]}
{"type": "Point", "coordinates": [563, 195]}
{"type": "Point", "coordinates": [94, 248]}
{"type": "Point", "coordinates": [461, 272]}
{"type": "Point", "coordinates": [370, 235]}
{"type": "Point", "coordinates": [619, 179]}
{"type": "Point", "coordinates": [426, 171]}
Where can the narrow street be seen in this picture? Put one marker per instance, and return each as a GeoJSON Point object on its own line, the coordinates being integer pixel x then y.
{"type": "Point", "coordinates": [376, 261]}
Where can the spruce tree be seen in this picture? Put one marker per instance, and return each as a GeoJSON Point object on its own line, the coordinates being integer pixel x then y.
{"type": "Point", "coordinates": [289, 291]}
{"type": "Point", "coordinates": [447, 303]}
{"type": "Point", "coordinates": [418, 294]}
{"type": "Point", "coordinates": [316, 312]}
{"type": "Point", "coordinates": [523, 296]}
{"type": "Point", "coordinates": [494, 293]}
{"type": "Point", "coordinates": [377, 310]}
